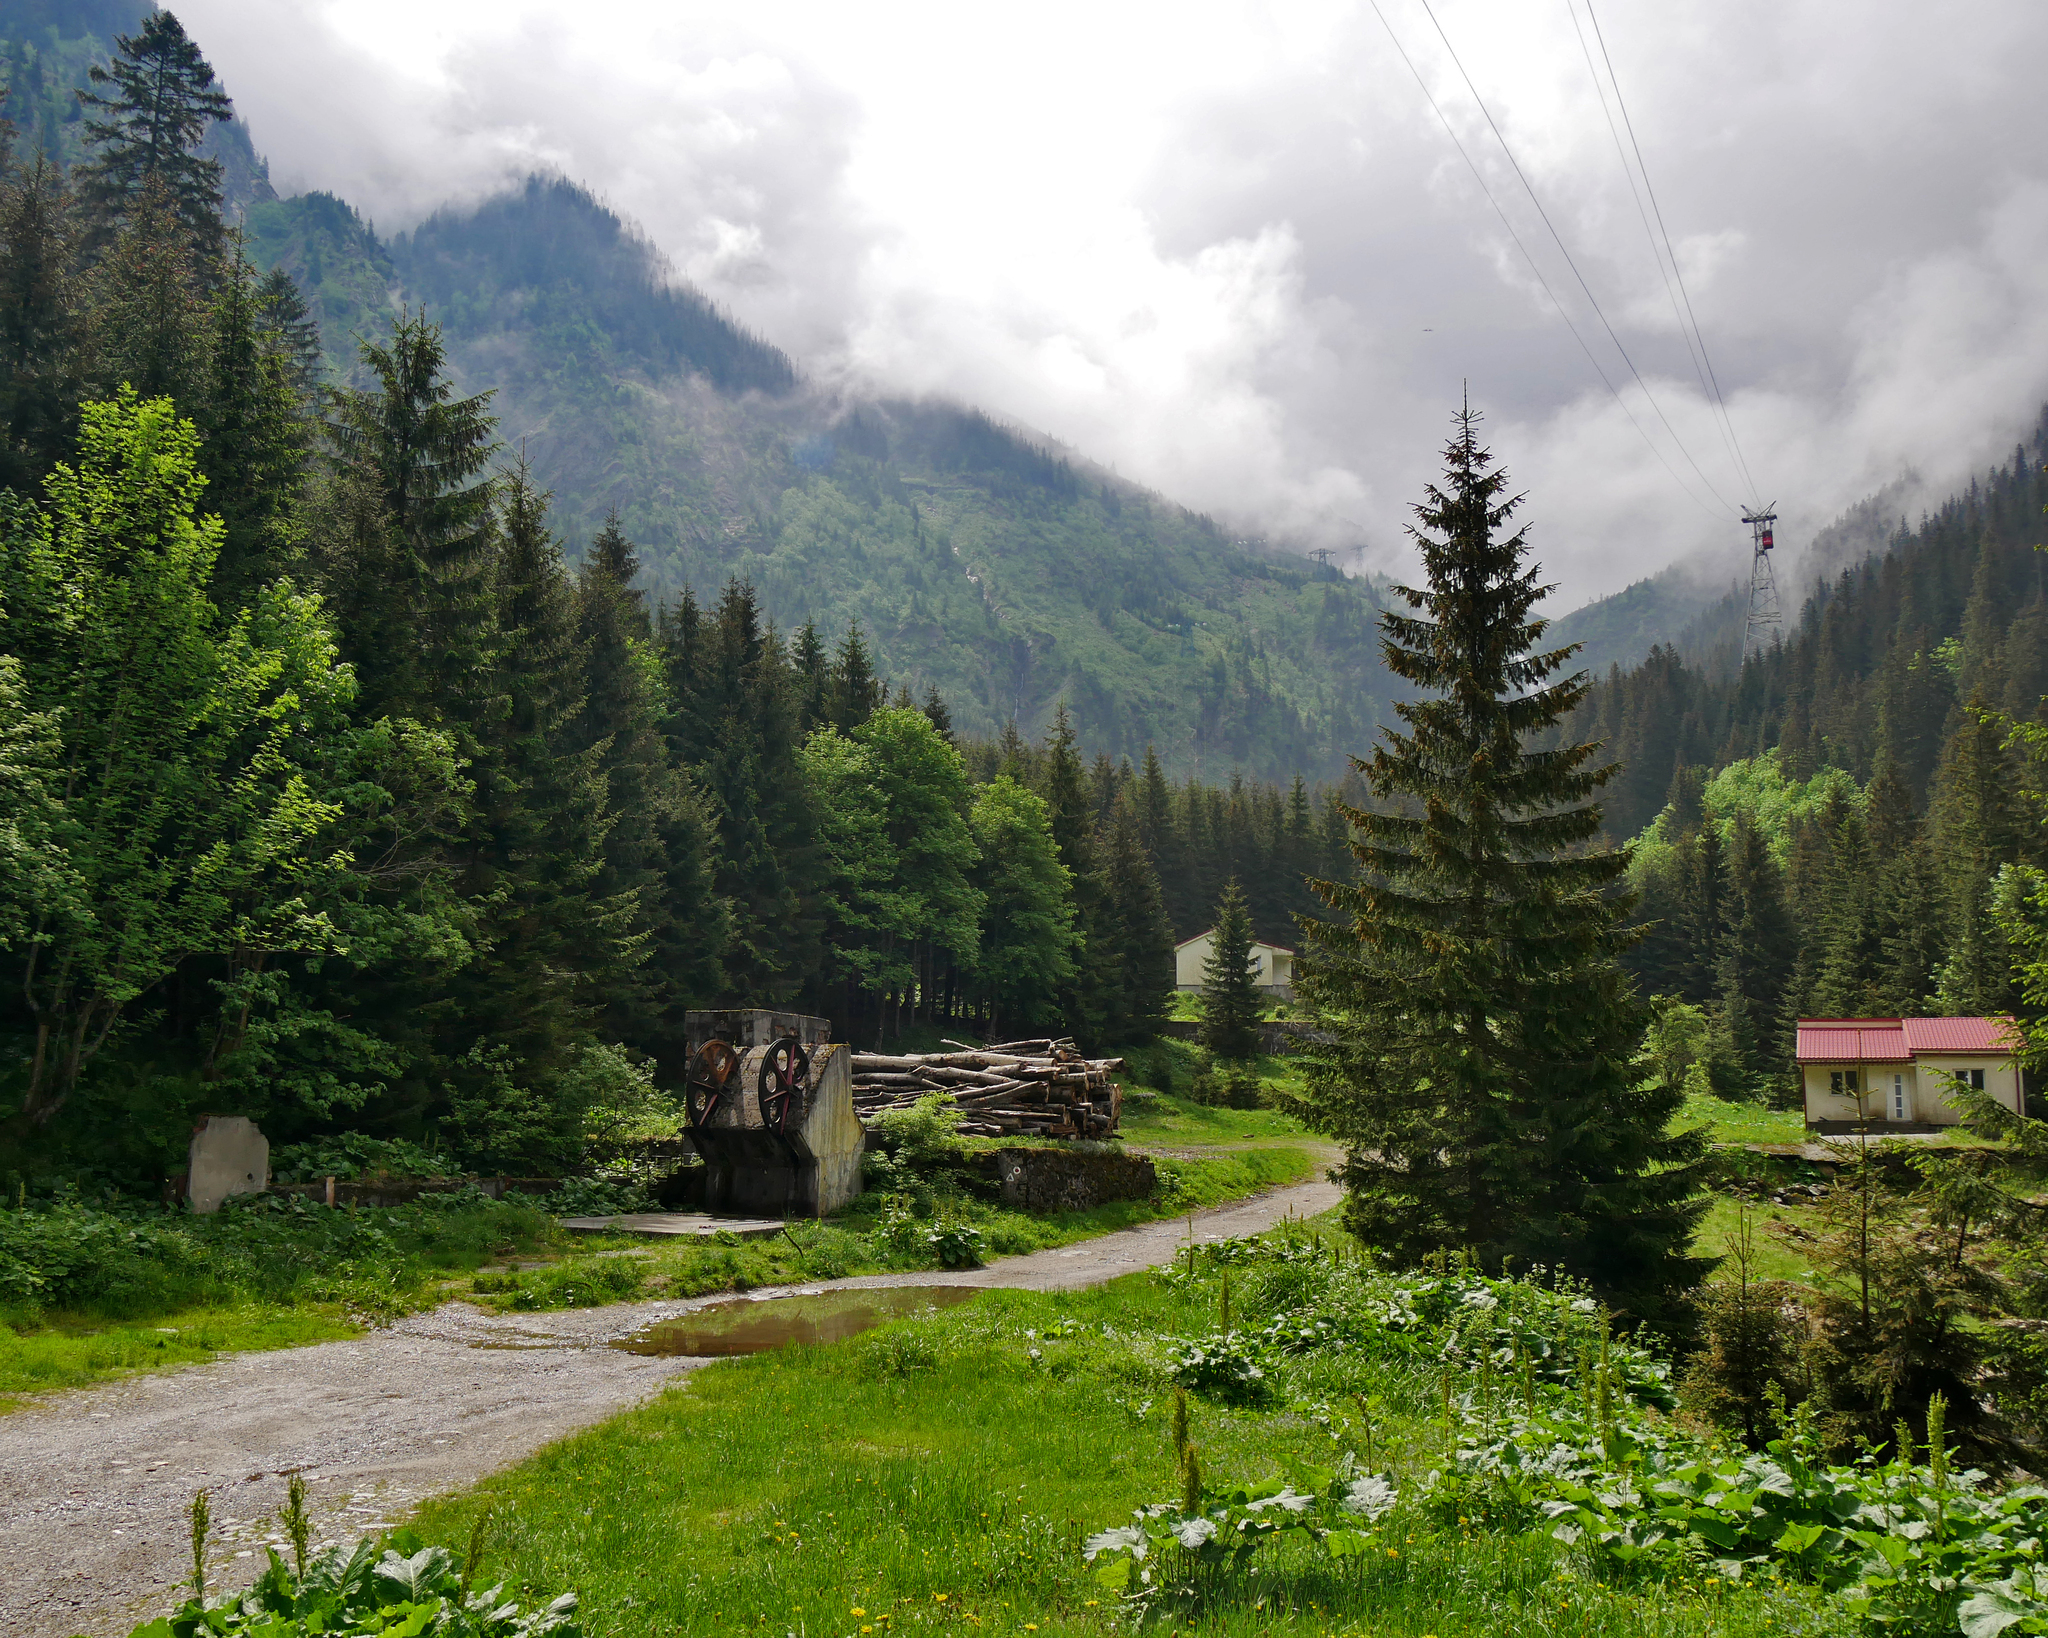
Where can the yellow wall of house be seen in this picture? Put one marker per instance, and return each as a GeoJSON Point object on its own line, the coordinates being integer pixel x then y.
{"type": "Point", "coordinates": [1925, 1082]}
{"type": "Point", "coordinates": [1274, 969]}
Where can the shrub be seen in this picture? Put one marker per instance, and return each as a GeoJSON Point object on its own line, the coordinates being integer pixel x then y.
{"type": "Point", "coordinates": [406, 1587]}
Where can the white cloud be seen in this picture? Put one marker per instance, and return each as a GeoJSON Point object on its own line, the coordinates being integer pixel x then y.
{"type": "Point", "coordinates": [1228, 248]}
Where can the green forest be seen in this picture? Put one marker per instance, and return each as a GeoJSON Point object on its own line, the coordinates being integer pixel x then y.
{"type": "Point", "coordinates": [1839, 826]}
{"type": "Point", "coordinates": [347, 785]}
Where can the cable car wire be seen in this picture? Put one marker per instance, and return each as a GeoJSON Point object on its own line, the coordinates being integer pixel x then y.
{"type": "Point", "coordinates": [1694, 345]}
{"type": "Point", "coordinates": [1592, 358]}
{"type": "Point", "coordinates": [1558, 240]}
{"type": "Point", "coordinates": [1677, 273]}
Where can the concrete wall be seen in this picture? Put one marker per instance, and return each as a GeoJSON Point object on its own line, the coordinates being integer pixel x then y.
{"type": "Point", "coordinates": [1069, 1178]}
{"type": "Point", "coordinates": [1925, 1083]}
{"type": "Point", "coordinates": [1273, 967]}
{"type": "Point", "coordinates": [812, 1172]}
{"type": "Point", "coordinates": [229, 1156]}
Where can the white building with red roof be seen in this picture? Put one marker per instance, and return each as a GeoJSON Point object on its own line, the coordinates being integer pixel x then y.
{"type": "Point", "coordinates": [1899, 1071]}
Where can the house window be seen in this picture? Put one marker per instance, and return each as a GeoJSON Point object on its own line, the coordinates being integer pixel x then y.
{"type": "Point", "coordinates": [1898, 1097]}
{"type": "Point", "coordinates": [1973, 1079]}
{"type": "Point", "coordinates": [1843, 1083]}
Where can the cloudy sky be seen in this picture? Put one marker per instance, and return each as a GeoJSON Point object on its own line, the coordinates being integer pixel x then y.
{"type": "Point", "coordinates": [1231, 250]}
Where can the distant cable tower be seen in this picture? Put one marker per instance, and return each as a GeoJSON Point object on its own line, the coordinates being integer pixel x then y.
{"type": "Point", "coordinates": [1322, 555]}
{"type": "Point", "coordinates": [1764, 615]}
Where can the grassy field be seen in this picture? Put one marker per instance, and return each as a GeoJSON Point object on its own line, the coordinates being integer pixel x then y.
{"type": "Point", "coordinates": [142, 1291]}
{"type": "Point", "coordinates": [940, 1474]}
{"type": "Point", "coordinates": [1159, 1118]}
{"type": "Point", "coordinates": [1742, 1122]}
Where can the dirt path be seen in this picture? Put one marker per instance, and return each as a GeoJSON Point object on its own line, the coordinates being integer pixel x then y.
{"type": "Point", "coordinates": [94, 1483]}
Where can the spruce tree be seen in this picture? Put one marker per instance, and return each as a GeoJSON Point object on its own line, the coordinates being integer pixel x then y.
{"type": "Point", "coordinates": [149, 303]}
{"type": "Point", "coordinates": [856, 692]}
{"type": "Point", "coordinates": [1480, 1074]}
{"type": "Point", "coordinates": [253, 414]}
{"type": "Point", "coordinates": [1230, 1000]}
{"type": "Point", "coordinates": [42, 323]}
{"type": "Point", "coordinates": [156, 101]}
{"type": "Point", "coordinates": [418, 621]}
{"type": "Point", "coordinates": [289, 328]}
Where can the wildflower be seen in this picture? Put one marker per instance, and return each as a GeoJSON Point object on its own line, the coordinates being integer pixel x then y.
{"type": "Point", "coordinates": [858, 1612]}
{"type": "Point", "coordinates": [1393, 1552]}
{"type": "Point", "coordinates": [939, 1598]}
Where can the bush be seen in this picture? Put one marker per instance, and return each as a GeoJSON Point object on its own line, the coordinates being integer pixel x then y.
{"type": "Point", "coordinates": [1228, 1086]}
{"type": "Point", "coordinates": [406, 1587]}
{"type": "Point", "coordinates": [351, 1155]}
{"type": "Point", "coordinates": [598, 1197]}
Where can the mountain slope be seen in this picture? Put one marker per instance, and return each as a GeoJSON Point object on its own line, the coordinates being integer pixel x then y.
{"type": "Point", "coordinates": [975, 559]}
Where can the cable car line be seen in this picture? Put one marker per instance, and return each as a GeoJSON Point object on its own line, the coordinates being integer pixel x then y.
{"type": "Point", "coordinates": [1695, 350]}
{"type": "Point", "coordinates": [1592, 358]}
{"type": "Point", "coordinates": [1558, 240]}
{"type": "Point", "coordinates": [1727, 420]}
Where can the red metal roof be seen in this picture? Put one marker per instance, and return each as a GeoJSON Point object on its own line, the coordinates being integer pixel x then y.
{"type": "Point", "coordinates": [1852, 1041]}
{"type": "Point", "coordinates": [1961, 1034]}
{"type": "Point", "coordinates": [1898, 1040]}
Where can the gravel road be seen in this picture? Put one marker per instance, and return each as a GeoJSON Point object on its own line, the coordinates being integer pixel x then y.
{"type": "Point", "coordinates": [94, 1483]}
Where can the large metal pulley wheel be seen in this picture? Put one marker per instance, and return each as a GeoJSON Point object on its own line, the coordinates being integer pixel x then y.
{"type": "Point", "coordinates": [785, 1069]}
{"type": "Point", "coordinates": [705, 1087]}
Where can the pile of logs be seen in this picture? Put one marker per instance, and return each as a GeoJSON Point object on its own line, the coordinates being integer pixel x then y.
{"type": "Point", "coordinates": [1042, 1086]}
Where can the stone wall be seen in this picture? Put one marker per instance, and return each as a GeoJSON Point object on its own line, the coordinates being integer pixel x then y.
{"type": "Point", "coordinates": [1072, 1177]}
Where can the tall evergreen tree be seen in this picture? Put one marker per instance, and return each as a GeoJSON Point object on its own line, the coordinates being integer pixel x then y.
{"type": "Point", "coordinates": [150, 303]}
{"type": "Point", "coordinates": [414, 602]}
{"type": "Point", "coordinates": [1480, 1075]}
{"type": "Point", "coordinates": [289, 328]}
{"type": "Point", "coordinates": [41, 322]}
{"type": "Point", "coordinates": [1230, 1000]}
{"type": "Point", "coordinates": [1132, 955]}
{"type": "Point", "coordinates": [156, 101]}
{"type": "Point", "coordinates": [856, 692]}
{"type": "Point", "coordinates": [253, 413]}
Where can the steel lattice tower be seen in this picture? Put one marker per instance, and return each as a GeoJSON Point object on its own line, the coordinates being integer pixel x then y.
{"type": "Point", "coordinates": [1765, 617]}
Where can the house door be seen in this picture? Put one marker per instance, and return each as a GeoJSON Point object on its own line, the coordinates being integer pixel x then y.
{"type": "Point", "coordinates": [1898, 1097]}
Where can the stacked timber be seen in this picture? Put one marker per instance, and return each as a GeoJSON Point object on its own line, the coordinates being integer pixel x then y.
{"type": "Point", "coordinates": [1044, 1086]}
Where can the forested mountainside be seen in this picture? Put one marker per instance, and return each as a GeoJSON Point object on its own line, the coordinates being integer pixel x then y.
{"type": "Point", "coordinates": [975, 560]}
{"type": "Point", "coordinates": [46, 49]}
{"type": "Point", "coordinates": [333, 790]}
{"type": "Point", "coordinates": [1824, 829]}
{"type": "Point", "coordinates": [1621, 629]}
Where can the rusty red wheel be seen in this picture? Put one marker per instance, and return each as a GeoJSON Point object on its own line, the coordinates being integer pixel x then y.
{"type": "Point", "coordinates": [705, 1088]}
{"type": "Point", "coordinates": [781, 1085]}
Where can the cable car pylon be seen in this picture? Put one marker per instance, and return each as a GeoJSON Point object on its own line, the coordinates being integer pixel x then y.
{"type": "Point", "coordinates": [1765, 617]}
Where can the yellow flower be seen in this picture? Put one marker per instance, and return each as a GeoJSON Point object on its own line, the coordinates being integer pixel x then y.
{"type": "Point", "coordinates": [858, 1612]}
{"type": "Point", "coordinates": [1030, 1626]}
{"type": "Point", "coordinates": [1393, 1552]}
{"type": "Point", "coordinates": [939, 1598]}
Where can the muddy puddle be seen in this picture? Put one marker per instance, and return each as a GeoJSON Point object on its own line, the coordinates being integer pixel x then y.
{"type": "Point", "coordinates": [753, 1326]}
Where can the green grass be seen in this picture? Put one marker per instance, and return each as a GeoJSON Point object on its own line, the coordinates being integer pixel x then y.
{"type": "Point", "coordinates": [1159, 1118]}
{"type": "Point", "coordinates": [72, 1351]}
{"type": "Point", "coordinates": [939, 1474]}
{"type": "Point", "coordinates": [1742, 1122]}
{"type": "Point", "coordinates": [1776, 1259]}
{"type": "Point", "coordinates": [210, 1286]}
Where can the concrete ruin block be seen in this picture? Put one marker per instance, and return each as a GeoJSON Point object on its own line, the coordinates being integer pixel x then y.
{"type": "Point", "coordinates": [811, 1170]}
{"type": "Point", "coordinates": [228, 1156]}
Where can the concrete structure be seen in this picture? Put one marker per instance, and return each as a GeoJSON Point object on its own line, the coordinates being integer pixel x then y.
{"type": "Point", "coordinates": [1272, 964]}
{"type": "Point", "coordinates": [807, 1171]}
{"type": "Point", "coordinates": [1897, 1072]}
{"type": "Point", "coordinates": [228, 1156]}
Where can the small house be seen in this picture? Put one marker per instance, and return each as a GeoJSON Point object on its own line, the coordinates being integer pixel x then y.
{"type": "Point", "coordinates": [1272, 964]}
{"type": "Point", "coordinates": [1898, 1072]}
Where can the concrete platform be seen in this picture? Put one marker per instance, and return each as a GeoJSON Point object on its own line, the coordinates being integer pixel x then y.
{"type": "Point", "coordinates": [677, 1225]}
